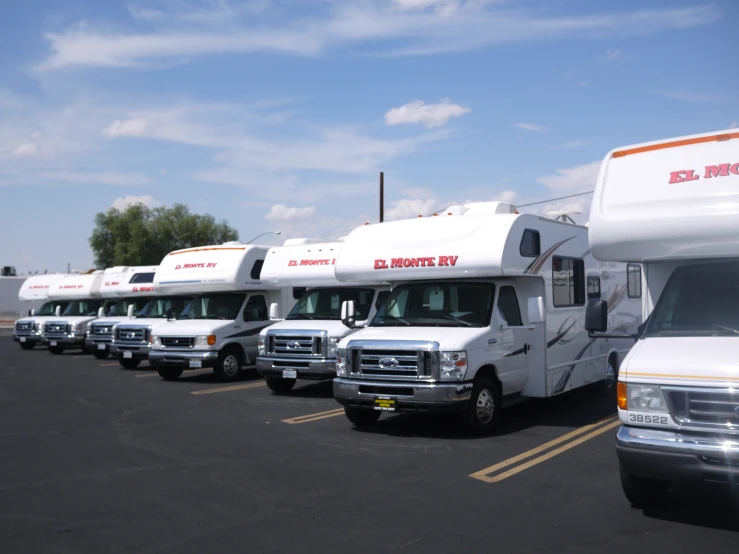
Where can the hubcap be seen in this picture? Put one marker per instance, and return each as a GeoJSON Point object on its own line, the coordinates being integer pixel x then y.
{"type": "Point", "coordinates": [230, 365]}
{"type": "Point", "coordinates": [611, 375]}
{"type": "Point", "coordinates": [485, 406]}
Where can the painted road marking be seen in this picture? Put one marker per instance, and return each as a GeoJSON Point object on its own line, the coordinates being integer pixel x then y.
{"type": "Point", "coordinates": [229, 389]}
{"type": "Point", "coordinates": [108, 365]}
{"type": "Point", "coordinates": [588, 432]}
{"type": "Point", "coordinates": [187, 372]}
{"type": "Point", "coordinates": [313, 417]}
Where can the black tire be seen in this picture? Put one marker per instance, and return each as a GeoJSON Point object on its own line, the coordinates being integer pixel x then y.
{"type": "Point", "coordinates": [228, 365]}
{"type": "Point", "coordinates": [362, 418]}
{"type": "Point", "coordinates": [100, 354]}
{"type": "Point", "coordinates": [56, 349]}
{"type": "Point", "coordinates": [642, 492]}
{"type": "Point", "coordinates": [169, 373]}
{"type": "Point", "coordinates": [280, 385]}
{"type": "Point", "coordinates": [128, 363]}
{"type": "Point", "coordinates": [85, 350]}
{"type": "Point", "coordinates": [27, 345]}
{"type": "Point", "coordinates": [611, 380]}
{"type": "Point", "coordinates": [484, 407]}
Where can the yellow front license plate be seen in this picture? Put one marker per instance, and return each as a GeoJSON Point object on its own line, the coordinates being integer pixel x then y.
{"type": "Point", "coordinates": [385, 403]}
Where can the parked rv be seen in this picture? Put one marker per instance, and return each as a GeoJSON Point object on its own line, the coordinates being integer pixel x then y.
{"type": "Point", "coordinates": [304, 345]}
{"type": "Point", "coordinates": [673, 206]}
{"type": "Point", "coordinates": [126, 291]}
{"type": "Point", "coordinates": [487, 307]}
{"type": "Point", "coordinates": [68, 328]}
{"type": "Point", "coordinates": [28, 331]}
{"type": "Point", "coordinates": [219, 327]}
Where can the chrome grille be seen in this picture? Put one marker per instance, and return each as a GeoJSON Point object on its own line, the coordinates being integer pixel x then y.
{"type": "Point", "coordinates": [390, 362]}
{"type": "Point", "coordinates": [24, 328]}
{"type": "Point", "coordinates": [178, 342]}
{"type": "Point", "coordinates": [57, 329]}
{"type": "Point", "coordinates": [101, 331]}
{"type": "Point", "coordinates": [132, 335]}
{"type": "Point", "coordinates": [311, 343]}
{"type": "Point", "coordinates": [704, 407]}
{"type": "Point", "coordinates": [405, 360]}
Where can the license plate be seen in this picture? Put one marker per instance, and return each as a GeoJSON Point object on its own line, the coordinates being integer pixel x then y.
{"type": "Point", "coordinates": [52, 343]}
{"type": "Point", "coordinates": [128, 354]}
{"type": "Point", "coordinates": [385, 404]}
{"type": "Point", "coordinates": [289, 373]}
{"type": "Point", "coordinates": [101, 347]}
{"type": "Point", "coordinates": [23, 339]}
{"type": "Point", "coordinates": [196, 363]}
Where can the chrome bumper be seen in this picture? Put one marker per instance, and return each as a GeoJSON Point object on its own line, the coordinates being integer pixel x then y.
{"type": "Point", "coordinates": [410, 396]}
{"type": "Point", "coordinates": [679, 456]}
{"type": "Point", "coordinates": [66, 340]}
{"type": "Point", "coordinates": [321, 368]}
{"type": "Point", "coordinates": [138, 352]}
{"type": "Point", "coordinates": [31, 338]}
{"type": "Point", "coordinates": [180, 358]}
{"type": "Point", "coordinates": [92, 344]}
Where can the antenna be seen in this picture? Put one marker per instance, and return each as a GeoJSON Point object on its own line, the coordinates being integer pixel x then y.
{"type": "Point", "coordinates": [564, 216]}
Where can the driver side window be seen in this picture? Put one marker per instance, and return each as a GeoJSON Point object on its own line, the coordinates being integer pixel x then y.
{"type": "Point", "coordinates": [508, 306]}
{"type": "Point", "coordinates": [256, 309]}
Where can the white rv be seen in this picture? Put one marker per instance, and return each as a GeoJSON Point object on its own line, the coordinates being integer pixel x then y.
{"type": "Point", "coordinates": [220, 326]}
{"type": "Point", "coordinates": [487, 306]}
{"type": "Point", "coordinates": [28, 331]}
{"type": "Point", "coordinates": [126, 291]}
{"type": "Point", "coordinates": [304, 345]}
{"type": "Point", "coordinates": [673, 205]}
{"type": "Point", "coordinates": [84, 302]}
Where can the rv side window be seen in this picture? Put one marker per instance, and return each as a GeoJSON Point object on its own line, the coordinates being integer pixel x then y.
{"type": "Point", "coordinates": [381, 298]}
{"type": "Point", "coordinates": [256, 309]}
{"type": "Point", "coordinates": [530, 243]}
{"type": "Point", "coordinates": [256, 270]}
{"type": "Point", "coordinates": [568, 282]}
{"type": "Point", "coordinates": [142, 278]}
{"type": "Point", "coordinates": [593, 288]}
{"type": "Point", "coordinates": [508, 306]}
{"type": "Point", "coordinates": [634, 280]}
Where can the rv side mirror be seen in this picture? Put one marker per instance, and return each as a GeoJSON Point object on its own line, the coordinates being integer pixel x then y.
{"type": "Point", "coordinates": [129, 311]}
{"type": "Point", "coordinates": [348, 314]}
{"type": "Point", "coordinates": [274, 312]}
{"type": "Point", "coordinates": [101, 312]}
{"type": "Point", "coordinates": [596, 316]}
{"type": "Point", "coordinates": [536, 309]}
{"type": "Point", "coordinates": [169, 313]}
{"type": "Point", "coordinates": [58, 311]}
{"type": "Point", "coordinates": [31, 312]}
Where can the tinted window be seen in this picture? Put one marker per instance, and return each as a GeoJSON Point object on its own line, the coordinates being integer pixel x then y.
{"type": "Point", "coordinates": [530, 243]}
{"type": "Point", "coordinates": [256, 270]}
{"type": "Point", "coordinates": [86, 308]}
{"type": "Point", "coordinates": [326, 303]}
{"type": "Point", "coordinates": [568, 282]}
{"type": "Point", "coordinates": [381, 299]}
{"type": "Point", "coordinates": [298, 292]}
{"type": "Point", "coordinates": [508, 306]}
{"type": "Point", "coordinates": [49, 308]}
{"type": "Point", "coordinates": [214, 306]}
{"type": "Point", "coordinates": [142, 278]}
{"type": "Point", "coordinates": [633, 273]}
{"type": "Point", "coordinates": [162, 306]}
{"type": "Point", "coordinates": [593, 288]}
{"type": "Point", "coordinates": [256, 308]}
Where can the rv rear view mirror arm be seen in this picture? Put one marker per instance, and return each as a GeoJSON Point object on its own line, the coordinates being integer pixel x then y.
{"type": "Point", "coordinates": [348, 314]}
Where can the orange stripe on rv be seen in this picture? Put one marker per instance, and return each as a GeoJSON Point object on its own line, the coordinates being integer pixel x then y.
{"type": "Point", "coordinates": [203, 250]}
{"type": "Point", "coordinates": [675, 144]}
{"type": "Point", "coordinates": [679, 376]}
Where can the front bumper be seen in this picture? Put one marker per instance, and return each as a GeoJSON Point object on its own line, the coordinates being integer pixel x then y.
{"type": "Point", "coordinates": [94, 344]}
{"type": "Point", "coordinates": [138, 352]}
{"type": "Point", "coordinates": [678, 456]}
{"type": "Point", "coordinates": [409, 396]}
{"type": "Point", "coordinates": [65, 340]}
{"type": "Point", "coordinates": [321, 368]}
{"type": "Point", "coordinates": [28, 339]}
{"type": "Point", "coordinates": [183, 359]}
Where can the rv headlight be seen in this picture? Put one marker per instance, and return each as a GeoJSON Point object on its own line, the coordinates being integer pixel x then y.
{"type": "Point", "coordinates": [262, 345]}
{"type": "Point", "coordinates": [205, 340]}
{"type": "Point", "coordinates": [645, 398]}
{"type": "Point", "coordinates": [341, 362]}
{"type": "Point", "coordinates": [73, 329]}
{"type": "Point", "coordinates": [453, 365]}
{"type": "Point", "coordinates": [39, 328]}
{"type": "Point", "coordinates": [156, 342]}
{"type": "Point", "coordinates": [333, 345]}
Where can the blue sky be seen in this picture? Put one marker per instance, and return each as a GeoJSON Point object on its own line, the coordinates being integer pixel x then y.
{"type": "Point", "coordinates": [279, 114]}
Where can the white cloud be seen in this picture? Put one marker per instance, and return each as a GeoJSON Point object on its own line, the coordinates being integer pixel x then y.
{"type": "Point", "coordinates": [124, 202]}
{"type": "Point", "coordinates": [281, 212]}
{"type": "Point", "coordinates": [135, 127]}
{"type": "Point", "coordinates": [568, 145]}
{"type": "Point", "coordinates": [612, 54]}
{"type": "Point", "coordinates": [112, 178]}
{"type": "Point", "coordinates": [573, 179]}
{"type": "Point", "coordinates": [582, 84]}
{"type": "Point", "coordinates": [28, 149]}
{"type": "Point", "coordinates": [693, 97]}
{"type": "Point", "coordinates": [430, 115]}
{"type": "Point", "coordinates": [408, 208]}
{"type": "Point", "coordinates": [389, 29]}
{"type": "Point", "coordinates": [734, 125]}
{"type": "Point", "coordinates": [532, 127]}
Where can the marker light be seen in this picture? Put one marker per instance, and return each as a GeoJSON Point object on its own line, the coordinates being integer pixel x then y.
{"type": "Point", "coordinates": [621, 395]}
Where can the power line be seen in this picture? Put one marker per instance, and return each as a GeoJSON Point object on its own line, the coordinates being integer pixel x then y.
{"type": "Point", "coordinates": [555, 199]}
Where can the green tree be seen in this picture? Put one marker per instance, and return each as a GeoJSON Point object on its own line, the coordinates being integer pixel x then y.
{"type": "Point", "coordinates": [143, 236]}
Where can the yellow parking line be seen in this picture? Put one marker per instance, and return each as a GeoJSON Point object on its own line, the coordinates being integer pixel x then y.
{"type": "Point", "coordinates": [313, 417]}
{"type": "Point", "coordinates": [108, 365]}
{"type": "Point", "coordinates": [592, 430]}
{"type": "Point", "coordinates": [229, 389]}
{"type": "Point", "coordinates": [187, 372]}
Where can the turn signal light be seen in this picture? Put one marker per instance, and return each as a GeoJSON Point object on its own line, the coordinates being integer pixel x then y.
{"type": "Point", "coordinates": [211, 340]}
{"type": "Point", "coordinates": [621, 395]}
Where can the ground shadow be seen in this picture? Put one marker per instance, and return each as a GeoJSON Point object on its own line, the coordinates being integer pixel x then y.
{"type": "Point", "coordinates": [711, 505]}
{"type": "Point", "coordinates": [315, 389]}
{"type": "Point", "coordinates": [209, 377]}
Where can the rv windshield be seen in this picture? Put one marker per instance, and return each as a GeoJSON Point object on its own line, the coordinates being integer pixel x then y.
{"type": "Point", "coordinates": [438, 305]}
{"type": "Point", "coordinates": [82, 308]}
{"type": "Point", "coordinates": [698, 301]}
{"type": "Point", "coordinates": [326, 303]}
{"type": "Point", "coordinates": [162, 306]}
{"type": "Point", "coordinates": [50, 307]}
{"type": "Point", "coordinates": [214, 306]}
{"type": "Point", "coordinates": [118, 308]}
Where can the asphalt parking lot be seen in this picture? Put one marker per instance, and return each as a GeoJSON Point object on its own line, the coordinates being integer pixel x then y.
{"type": "Point", "coordinates": [96, 458]}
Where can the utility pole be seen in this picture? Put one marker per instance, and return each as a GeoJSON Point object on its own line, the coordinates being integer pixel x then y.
{"type": "Point", "coordinates": [68, 268]}
{"type": "Point", "coordinates": [382, 196]}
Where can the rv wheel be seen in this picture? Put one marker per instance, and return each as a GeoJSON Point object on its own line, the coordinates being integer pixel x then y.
{"type": "Point", "coordinates": [27, 345]}
{"type": "Point", "coordinates": [280, 385]}
{"type": "Point", "coordinates": [56, 349]}
{"type": "Point", "coordinates": [484, 407]}
{"type": "Point", "coordinates": [128, 363]}
{"type": "Point", "coordinates": [169, 373]}
{"type": "Point", "coordinates": [228, 365]}
{"type": "Point", "coordinates": [361, 418]}
{"type": "Point", "coordinates": [642, 492]}
{"type": "Point", "coordinates": [85, 350]}
{"type": "Point", "coordinates": [101, 354]}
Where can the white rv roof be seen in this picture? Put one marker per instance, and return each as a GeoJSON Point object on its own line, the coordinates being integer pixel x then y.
{"type": "Point", "coordinates": [37, 287]}
{"type": "Point", "coordinates": [225, 267]}
{"type": "Point", "coordinates": [77, 286]}
{"type": "Point", "coordinates": [672, 199]}
{"type": "Point", "coordinates": [138, 281]}
{"type": "Point", "coordinates": [112, 278]}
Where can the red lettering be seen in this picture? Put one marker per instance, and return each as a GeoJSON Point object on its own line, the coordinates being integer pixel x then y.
{"type": "Point", "coordinates": [443, 260]}
{"type": "Point", "coordinates": [689, 175]}
{"type": "Point", "coordinates": [676, 177]}
{"type": "Point", "coordinates": [431, 262]}
{"type": "Point", "coordinates": [717, 171]}
{"type": "Point", "coordinates": [453, 260]}
{"type": "Point", "coordinates": [407, 262]}
{"type": "Point", "coordinates": [735, 169]}
{"type": "Point", "coordinates": [380, 264]}
{"type": "Point", "coordinates": [396, 262]}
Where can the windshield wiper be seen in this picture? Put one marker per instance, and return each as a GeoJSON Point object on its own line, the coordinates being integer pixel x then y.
{"type": "Point", "coordinates": [467, 323]}
{"type": "Point", "coordinates": [398, 319]}
{"type": "Point", "coordinates": [299, 316]}
{"type": "Point", "coordinates": [725, 328]}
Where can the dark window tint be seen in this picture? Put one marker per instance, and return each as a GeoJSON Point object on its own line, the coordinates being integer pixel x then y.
{"type": "Point", "coordinates": [142, 278]}
{"type": "Point", "coordinates": [256, 270]}
{"type": "Point", "coordinates": [530, 243]}
{"type": "Point", "coordinates": [593, 288]}
{"type": "Point", "coordinates": [86, 308]}
{"type": "Point", "coordinates": [256, 308]}
{"type": "Point", "coordinates": [298, 292]}
{"type": "Point", "coordinates": [381, 299]}
{"type": "Point", "coordinates": [508, 306]}
{"type": "Point", "coordinates": [568, 282]}
{"type": "Point", "coordinates": [214, 306]}
{"type": "Point", "coordinates": [633, 272]}
{"type": "Point", "coordinates": [326, 303]}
